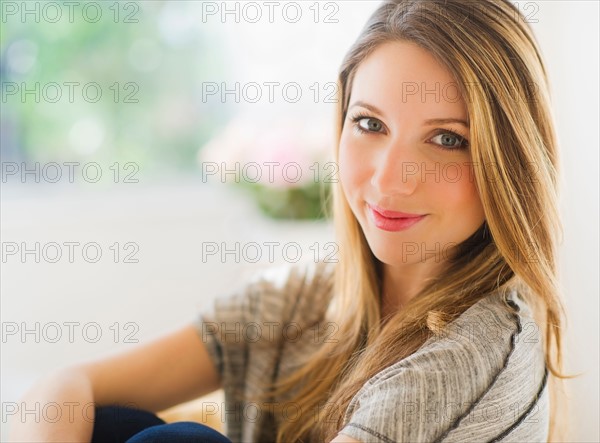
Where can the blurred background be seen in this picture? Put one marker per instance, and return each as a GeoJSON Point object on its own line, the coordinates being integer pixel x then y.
{"type": "Point", "coordinates": [128, 197]}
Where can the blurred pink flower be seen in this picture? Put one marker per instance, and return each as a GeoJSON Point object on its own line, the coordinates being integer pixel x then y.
{"type": "Point", "coordinates": [283, 152]}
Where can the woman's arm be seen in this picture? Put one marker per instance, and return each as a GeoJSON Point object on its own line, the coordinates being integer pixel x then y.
{"type": "Point", "coordinates": [170, 370]}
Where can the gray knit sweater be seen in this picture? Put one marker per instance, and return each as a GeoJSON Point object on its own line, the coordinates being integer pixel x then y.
{"type": "Point", "coordinates": [483, 380]}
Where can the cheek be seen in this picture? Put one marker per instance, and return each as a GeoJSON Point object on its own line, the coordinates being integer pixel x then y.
{"type": "Point", "coordinates": [353, 169]}
{"type": "Point", "coordinates": [457, 191]}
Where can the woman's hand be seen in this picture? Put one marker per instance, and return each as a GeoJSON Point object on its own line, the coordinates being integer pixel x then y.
{"type": "Point", "coordinates": [59, 408]}
{"type": "Point", "coordinates": [163, 373]}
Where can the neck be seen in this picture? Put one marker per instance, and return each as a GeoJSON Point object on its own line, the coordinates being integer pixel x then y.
{"type": "Point", "coordinates": [402, 283]}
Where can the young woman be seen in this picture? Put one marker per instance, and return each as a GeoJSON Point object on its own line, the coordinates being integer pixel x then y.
{"type": "Point", "coordinates": [440, 319]}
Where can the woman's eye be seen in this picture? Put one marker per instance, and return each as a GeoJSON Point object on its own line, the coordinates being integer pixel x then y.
{"type": "Point", "coordinates": [372, 125]}
{"type": "Point", "coordinates": [449, 140]}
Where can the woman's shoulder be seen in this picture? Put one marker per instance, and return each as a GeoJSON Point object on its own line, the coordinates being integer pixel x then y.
{"type": "Point", "coordinates": [494, 345]}
{"type": "Point", "coordinates": [487, 336]}
{"type": "Point", "coordinates": [278, 291]}
{"type": "Point", "coordinates": [284, 275]}
{"type": "Point", "coordinates": [508, 373]}
{"type": "Point", "coordinates": [294, 278]}
{"type": "Point", "coordinates": [484, 375]}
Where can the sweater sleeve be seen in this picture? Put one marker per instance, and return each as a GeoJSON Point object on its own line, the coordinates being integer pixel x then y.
{"type": "Point", "coordinates": [258, 333]}
{"type": "Point", "coordinates": [244, 324]}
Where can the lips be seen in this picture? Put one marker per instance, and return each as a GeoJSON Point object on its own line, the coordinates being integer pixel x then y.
{"type": "Point", "coordinates": [393, 214]}
{"type": "Point", "coordinates": [393, 221]}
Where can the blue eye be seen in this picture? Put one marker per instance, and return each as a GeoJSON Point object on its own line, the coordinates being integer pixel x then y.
{"type": "Point", "coordinates": [450, 140]}
{"type": "Point", "coordinates": [372, 125]}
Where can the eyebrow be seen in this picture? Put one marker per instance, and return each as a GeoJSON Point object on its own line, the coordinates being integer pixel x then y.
{"type": "Point", "coordinates": [431, 121]}
{"type": "Point", "coordinates": [443, 121]}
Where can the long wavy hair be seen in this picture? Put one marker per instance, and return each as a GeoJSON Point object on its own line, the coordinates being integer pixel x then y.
{"type": "Point", "coordinates": [496, 62]}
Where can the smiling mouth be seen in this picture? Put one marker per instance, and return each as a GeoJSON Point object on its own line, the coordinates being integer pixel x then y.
{"type": "Point", "coordinates": [393, 221]}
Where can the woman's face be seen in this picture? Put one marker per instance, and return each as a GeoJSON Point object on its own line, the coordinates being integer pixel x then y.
{"type": "Point", "coordinates": [404, 148]}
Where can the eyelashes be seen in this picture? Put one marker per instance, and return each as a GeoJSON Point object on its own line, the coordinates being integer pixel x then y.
{"type": "Point", "coordinates": [463, 142]}
{"type": "Point", "coordinates": [356, 118]}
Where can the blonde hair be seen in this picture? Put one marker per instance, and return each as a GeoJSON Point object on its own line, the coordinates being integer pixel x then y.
{"type": "Point", "coordinates": [497, 64]}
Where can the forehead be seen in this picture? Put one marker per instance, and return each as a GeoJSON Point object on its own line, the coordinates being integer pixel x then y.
{"type": "Point", "coordinates": [401, 74]}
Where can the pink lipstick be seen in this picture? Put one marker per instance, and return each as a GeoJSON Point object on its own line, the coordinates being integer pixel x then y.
{"type": "Point", "coordinates": [393, 221]}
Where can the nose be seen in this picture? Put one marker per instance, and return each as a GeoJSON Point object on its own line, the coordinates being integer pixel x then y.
{"type": "Point", "coordinates": [396, 172]}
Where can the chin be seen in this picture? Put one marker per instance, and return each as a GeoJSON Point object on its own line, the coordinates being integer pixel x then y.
{"type": "Point", "coordinates": [390, 254]}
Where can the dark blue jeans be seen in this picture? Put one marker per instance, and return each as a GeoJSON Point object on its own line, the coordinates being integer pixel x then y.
{"type": "Point", "coordinates": [119, 424]}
